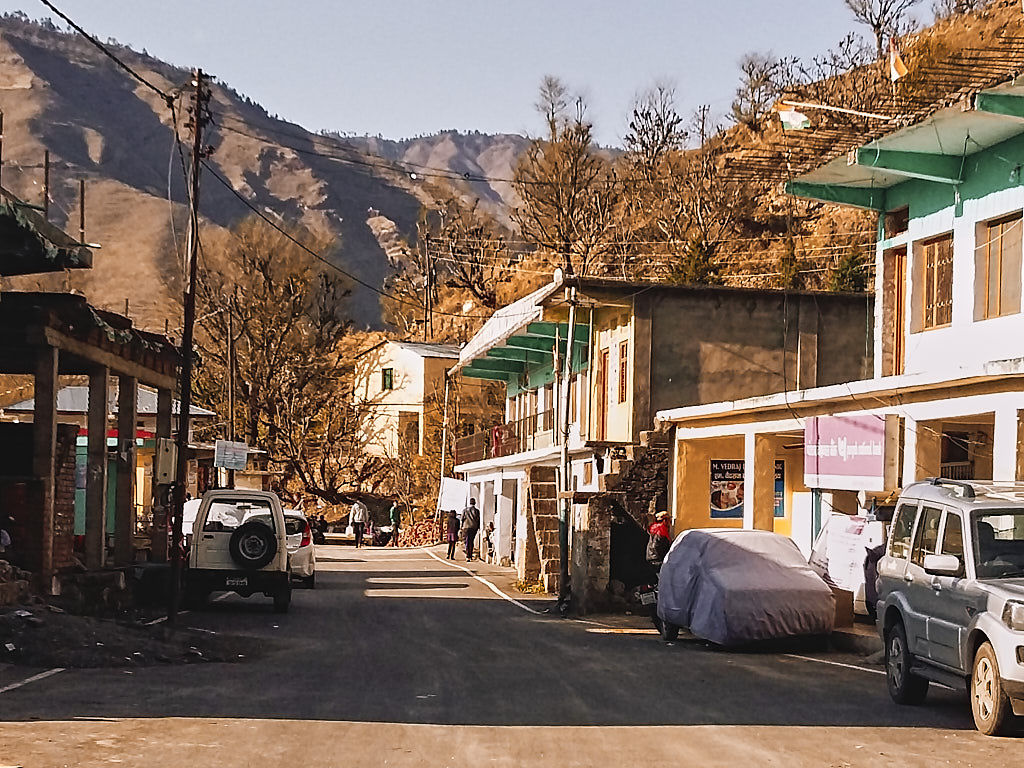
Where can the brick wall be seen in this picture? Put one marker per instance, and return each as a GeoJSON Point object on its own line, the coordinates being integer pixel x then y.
{"type": "Point", "coordinates": [21, 499]}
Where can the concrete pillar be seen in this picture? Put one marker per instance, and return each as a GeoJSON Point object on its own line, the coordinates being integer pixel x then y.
{"type": "Point", "coordinates": [909, 451]}
{"type": "Point", "coordinates": [96, 470]}
{"type": "Point", "coordinates": [758, 482]}
{"type": "Point", "coordinates": [692, 486]}
{"type": "Point", "coordinates": [124, 514]}
{"type": "Point", "coordinates": [1004, 444]}
{"type": "Point", "coordinates": [926, 458]}
{"type": "Point", "coordinates": [158, 534]}
{"type": "Point", "coordinates": [44, 450]}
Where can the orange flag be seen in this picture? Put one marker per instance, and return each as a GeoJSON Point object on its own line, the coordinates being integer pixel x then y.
{"type": "Point", "coordinates": [897, 68]}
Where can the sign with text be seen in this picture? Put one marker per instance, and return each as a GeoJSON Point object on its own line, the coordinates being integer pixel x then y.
{"type": "Point", "coordinates": [727, 489]}
{"type": "Point", "coordinates": [853, 453]}
{"type": "Point", "coordinates": [230, 455]}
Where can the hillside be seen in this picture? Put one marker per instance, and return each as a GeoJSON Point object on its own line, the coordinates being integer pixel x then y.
{"type": "Point", "coordinates": [58, 93]}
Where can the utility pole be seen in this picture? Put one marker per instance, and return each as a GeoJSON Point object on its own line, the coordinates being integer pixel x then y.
{"type": "Point", "coordinates": [198, 117]}
{"type": "Point", "coordinates": [231, 387]}
{"type": "Point", "coordinates": [565, 471]}
{"type": "Point", "coordinates": [46, 185]}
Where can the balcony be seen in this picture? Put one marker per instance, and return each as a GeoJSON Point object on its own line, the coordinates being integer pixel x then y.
{"type": "Point", "coordinates": [535, 431]}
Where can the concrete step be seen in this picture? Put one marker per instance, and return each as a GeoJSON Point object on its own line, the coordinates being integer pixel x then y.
{"type": "Point", "coordinates": [858, 638]}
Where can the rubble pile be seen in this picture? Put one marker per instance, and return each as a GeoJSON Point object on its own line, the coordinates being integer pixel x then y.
{"type": "Point", "coordinates": [13, 584]}
{"type": "Point", "coordinates": [421, 533]}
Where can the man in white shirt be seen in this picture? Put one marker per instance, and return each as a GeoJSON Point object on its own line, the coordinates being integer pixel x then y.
{"type": "Point", "coordinates": [358, 517]}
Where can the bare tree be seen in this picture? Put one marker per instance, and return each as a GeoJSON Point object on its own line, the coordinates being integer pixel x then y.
{"type": "Point", "coordinates": [287, 314]}
{"type": "Point", "coordinates": [570, 191]}
{"type": "Point", "coordinates": [882, 17]}
{"type": "Point", "coordinates": [945, 8]}
{"type": "Point", "coordinates": [764, 78]}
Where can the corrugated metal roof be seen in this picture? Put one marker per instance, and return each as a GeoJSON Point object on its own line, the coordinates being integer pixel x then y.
{"type": "Point", "coordinates": [75, 399]}
{"type": "Point", "coordinates": [506, 322]}
{"type": "Point", "coordinates": [429, 350]}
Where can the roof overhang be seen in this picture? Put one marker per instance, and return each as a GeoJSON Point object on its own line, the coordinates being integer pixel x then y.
{"type": "Point", "coordinates": [934, 149]}
{"type": "Point", "coordinates": [867, 394]}
{"type": "Point", "coordinates": [29, 244]}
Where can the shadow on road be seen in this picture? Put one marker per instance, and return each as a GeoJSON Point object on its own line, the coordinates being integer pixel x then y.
{"type": "Point", "coordinates": [343, 653]}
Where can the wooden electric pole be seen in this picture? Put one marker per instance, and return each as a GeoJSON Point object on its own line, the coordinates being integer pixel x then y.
{"type": "Point", "coordinates": [198, 117]}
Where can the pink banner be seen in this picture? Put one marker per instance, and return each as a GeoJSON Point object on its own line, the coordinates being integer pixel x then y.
{"type": "Point", "coordinates": [845, 452]}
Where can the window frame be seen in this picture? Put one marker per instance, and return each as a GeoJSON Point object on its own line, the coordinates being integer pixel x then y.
{"type": "Point", "coordinates": [918, 542]}
{"type": "Point", "coordinates": [623, 371]}
{"type": "Point", "coordinates": [927, 255]}
{"type": "Point", "coordinates": [912, 508]}
{"type": "Point", "coordinates": [984, 234]}
{"type": "Point", "coordinates": [387, 379]}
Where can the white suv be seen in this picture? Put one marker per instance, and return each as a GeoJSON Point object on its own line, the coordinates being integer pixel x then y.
{"type": "Point", "coordinates": [951, 596]}
{"type": "Point", "coordinates": [239, 545]}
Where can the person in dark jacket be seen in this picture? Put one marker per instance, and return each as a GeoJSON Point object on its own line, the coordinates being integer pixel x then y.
{"type": "Point", "coordinates": [451, 533]}
{"type": "Point", "coordinates": [470, 527]}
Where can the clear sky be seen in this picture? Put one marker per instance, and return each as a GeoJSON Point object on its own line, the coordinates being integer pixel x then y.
{"type": "Point", "coordinates": [407, 67]}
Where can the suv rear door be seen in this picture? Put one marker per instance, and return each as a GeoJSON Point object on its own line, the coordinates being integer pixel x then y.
{"type": "Point", "coordinates": [218, 521]}
{"type": "Point", "coordinates": [918, 584]}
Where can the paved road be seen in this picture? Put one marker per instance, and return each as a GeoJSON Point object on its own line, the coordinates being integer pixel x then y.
{"type": "Point", "coordinates": [397, 659]}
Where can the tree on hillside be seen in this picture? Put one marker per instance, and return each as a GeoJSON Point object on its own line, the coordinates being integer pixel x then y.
{"type": "Point", "coordinates": [945, 8]}
{"type": "Point", "coordinates": [882, 17]}
{"type": "Point", "coordinates": [570, 191]}
{"type": "Point", "coordinates": [764, 78]}
{"type": "Point", "coordinates": [292, 391]}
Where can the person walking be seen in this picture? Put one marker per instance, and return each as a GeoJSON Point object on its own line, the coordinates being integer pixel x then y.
{"type": "Point", "coordinates": [470, 527]}
{"type": "Point", "coordinates": [396, 523]}
{"type": "Point", "coordinates": [358, 516]}
{"type": "Point", "coordinates": [451, 533]}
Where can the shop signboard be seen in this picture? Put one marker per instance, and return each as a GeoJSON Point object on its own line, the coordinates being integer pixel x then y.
{"type": "Point", "coordinates": [855, 453]}
{"type": "Point", "coordinates": [230, 454]}
{"type": "Point", "coordinates": [727, 489]}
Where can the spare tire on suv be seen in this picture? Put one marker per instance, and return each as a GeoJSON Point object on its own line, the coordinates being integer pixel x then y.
{"type": "Point", "coordinates": [252, 545]}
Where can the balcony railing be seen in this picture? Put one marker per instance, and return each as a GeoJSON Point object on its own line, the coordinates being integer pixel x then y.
{"type": "Point", "coordinates": [958, 470]}
{"type": "Point", "coordinates": [534, 431]}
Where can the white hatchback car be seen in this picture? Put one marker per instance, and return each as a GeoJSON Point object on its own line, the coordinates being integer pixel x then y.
{"type": "Point", "coordinates": [301, 554]}
{"type": "Point", "coordinates": [239, 544]}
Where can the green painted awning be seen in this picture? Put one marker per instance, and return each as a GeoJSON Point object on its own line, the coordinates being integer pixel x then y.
{"type": "Point", "coordinates": [935, 149]}
{"type": "Point", "coordinates": [29, 244]}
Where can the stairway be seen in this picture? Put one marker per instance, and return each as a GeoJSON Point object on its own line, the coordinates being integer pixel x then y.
{"type": "Point", "coordinates": [542, 497]}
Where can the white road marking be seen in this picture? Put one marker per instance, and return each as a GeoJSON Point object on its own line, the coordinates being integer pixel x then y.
{"type": "Point", "coordinates": [835, 663]}
{"type": "Point", "coordinates": [487, 584]}
{"type": "Point", "coordinates": [34, 678]}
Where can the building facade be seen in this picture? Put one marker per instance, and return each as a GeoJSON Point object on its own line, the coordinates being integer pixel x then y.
{"type": "Point", "coordinates": [635, 349]}
{"type": "Point", "coordinates": [947, 390]}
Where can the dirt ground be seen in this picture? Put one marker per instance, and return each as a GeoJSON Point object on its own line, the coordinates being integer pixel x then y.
{"type": "Point", "coordinates": [38, 635]}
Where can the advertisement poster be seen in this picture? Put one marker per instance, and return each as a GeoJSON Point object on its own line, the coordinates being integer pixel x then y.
{"type": "Point", "coordinates": [780, 489]}
{"type": "Point", "coordinates": [727, 489]}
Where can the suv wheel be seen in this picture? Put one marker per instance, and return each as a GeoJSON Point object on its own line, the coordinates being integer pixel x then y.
{"type": "Point", "coordinates": [904, 686]}
{"type": "Point", "coordinates": [989, 703]}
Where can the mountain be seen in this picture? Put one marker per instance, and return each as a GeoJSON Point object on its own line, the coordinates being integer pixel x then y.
{"type": "Point", "coordinates": [59, 93]}
{"type": "Point", "coordinates": [486, 161]}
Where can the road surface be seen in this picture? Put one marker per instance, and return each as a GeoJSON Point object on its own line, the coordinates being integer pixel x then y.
{"type": "Point", "coordinates": [400, 659]}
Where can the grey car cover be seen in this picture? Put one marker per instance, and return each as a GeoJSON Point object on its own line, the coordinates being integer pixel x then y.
{"type": "Point", "coordinates": [739, 586]}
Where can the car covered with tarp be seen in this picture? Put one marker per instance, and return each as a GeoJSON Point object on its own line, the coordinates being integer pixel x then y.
{"type": "Point", "coordinates": [734, 587]}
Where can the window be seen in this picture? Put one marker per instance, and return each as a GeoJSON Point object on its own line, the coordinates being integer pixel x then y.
{"type": "Point", "coordinates": [997, 259]}
{"type": "Point", "coordinates": [623, 370]}
{"type": "Point", "coordinates": [926, 539]}
{"type": "Point", "coordinates": [935, 271]}
{"type": "Point", "coordinates": [953, 536]}
{"type": "Point", "coordinates": [387, 379]}
{"type": "Point", "coordinates": [903, 524]}
{"type": "Point", "coordinates": [229, 515]}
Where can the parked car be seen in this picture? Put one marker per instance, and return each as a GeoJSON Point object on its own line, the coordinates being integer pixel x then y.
{"type": "Point", "coordinates": [301, 553]}
{"type": "Point", "coordinates": [734, 587]}
{"type": "Point", "coordinates": [239, 544]}
{"type": "Point", "coordinates": [951, 596]}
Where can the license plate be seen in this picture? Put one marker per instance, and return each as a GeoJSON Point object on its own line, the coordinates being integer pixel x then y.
{"type": "Point", "coordinates": [648, 598]}
{"type": "Point", "coordinates": [236, 581]}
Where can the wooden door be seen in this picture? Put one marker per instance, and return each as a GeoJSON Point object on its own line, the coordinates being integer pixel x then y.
{"type": "Point", "coordinates": [899, 325]}
{"type": "Point", "coordinates": [602, 395]}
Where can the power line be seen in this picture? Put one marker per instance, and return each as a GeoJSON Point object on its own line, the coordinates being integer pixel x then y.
{"type": "Point", "coordinates": [106, 51]}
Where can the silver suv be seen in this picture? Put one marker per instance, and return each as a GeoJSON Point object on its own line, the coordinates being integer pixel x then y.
{"type": "Point", "coordinates": [951, 596]}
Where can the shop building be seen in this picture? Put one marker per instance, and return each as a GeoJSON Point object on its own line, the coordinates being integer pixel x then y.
{"type": "Point", "coordinates": [947, 389]}
{"type": "Point", "coordinates": [633, 349]}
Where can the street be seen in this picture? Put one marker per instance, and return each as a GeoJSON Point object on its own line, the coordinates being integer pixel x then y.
{"type": "Point", "coordinates": [400, 659]}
